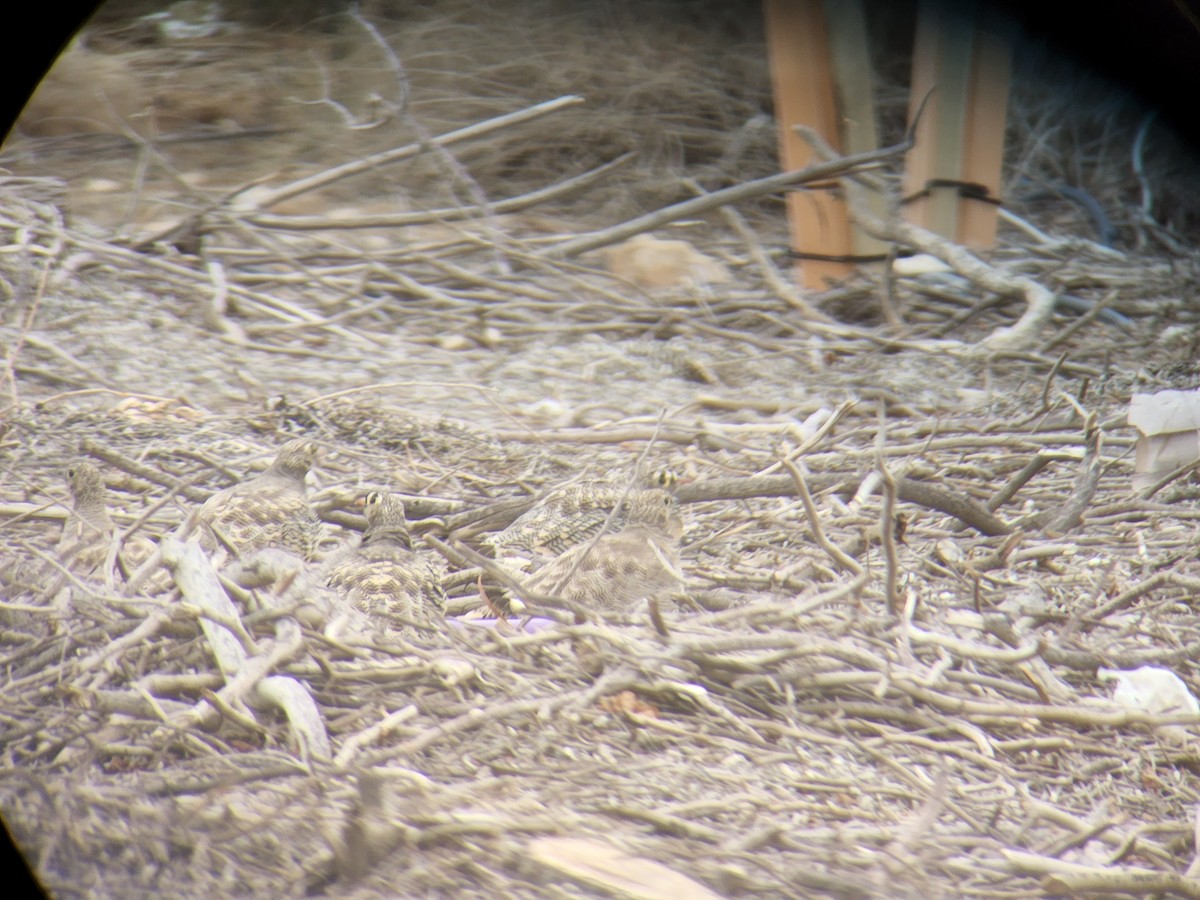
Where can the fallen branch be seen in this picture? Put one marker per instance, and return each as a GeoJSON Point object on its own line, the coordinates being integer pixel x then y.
{"type": "Point", "coordinates": [266, 199]}
{"type": "Point", "coordinates": [497, 515]}
{"type": "Point", "coordinates": [800, 484]}
{"type": "Point", "coordinates": [782, 288]}
{"type": "Point", "coordinates": [248, 678]}
{"type": "Point", "coordinates": [1070, 514]}
{"type": "Point", "coordinates": [450, 214]}
{"type": "Point", "coordinates": [1075, 879]}
{"type": "Point", "coordinates": [922, 493]}
{"type": "Point", "coordinates": [1026, 333]}
{"type": "Point", "coordinates": [746, 191]}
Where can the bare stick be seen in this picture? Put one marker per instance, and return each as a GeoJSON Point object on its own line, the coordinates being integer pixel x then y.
{"type": "Point", "coordinates": [814, 521]}
{"type": "Point", "coordinates": [148, 473]}
{"type": "Point", "coordinates": [1018, 481]}
{"type": "Point", "coordinates": [745, 191]}
{"type": "Point", "coordinates": [450, 214]}
{"type": "Point", "coordinates": [381, 729]}
{"type": "Point", "coordinates": [91, 373]}
{"type": "Point", "coordinates": [1071, 512]}
{"type": "Point", "coordinates": [766, 268]}
{"type": "Point", "coordinates": [1040, 300]}
{"type": "Point", "coordinates": [457, 169]}
{"type": "Point", "coordinates": [887, 533]}
{"type": "Point", "coordinates": [14, 349]}
{"type": "Point", "coordinates": [1086, 319]}
{"type": "Point", "coordinates": [1179, 472]}
{"type": "Point", "coordinates": [408, 151]}
{"type": "Point", "coordinates": [248, 678]}
{"type": "Point", "coordinates": [909, 490]}
{"type": "Point", "coordinates": [458, 553]}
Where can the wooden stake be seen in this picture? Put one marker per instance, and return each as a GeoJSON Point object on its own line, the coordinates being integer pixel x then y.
{"type": "Point", "coordinates": [987, 115]}
{"type": "Point", "coordinates": [964, 55]}
{"type": "Point", "coordinates": [854, 88]}
{"type": "Point", "coordinates": [802, 78]}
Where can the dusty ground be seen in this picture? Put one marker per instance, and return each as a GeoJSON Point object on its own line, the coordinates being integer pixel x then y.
{"type": "Point", "coordinates": [787, 736]}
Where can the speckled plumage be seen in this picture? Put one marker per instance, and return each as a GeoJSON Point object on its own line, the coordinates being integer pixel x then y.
{"type": "Point", "coordinates": [269, 510]}
{"type": "Point", "coordinates": [89, 531]}
{"type": "Point", "coordinates": [641, 560]}
{"type": "Point", "coordinates": [383, 576]}
{"type": "Point", "coordinates": [570, 515]}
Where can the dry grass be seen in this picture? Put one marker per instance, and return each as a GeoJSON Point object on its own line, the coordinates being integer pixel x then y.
{"type": "Point", "coordinates": [777, 733]}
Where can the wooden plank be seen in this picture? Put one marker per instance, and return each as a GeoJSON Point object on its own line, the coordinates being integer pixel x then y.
{"type": "Point", "coordinates": [802, 80]}
{"type": "Point", "coordinates": [848, 50]}
{"type": "Point", "coordinates": [965, 54]}
{"type": "Point", "coordinates": [941, 61]}
{"type": "Point", "coordinates": [983, 140]}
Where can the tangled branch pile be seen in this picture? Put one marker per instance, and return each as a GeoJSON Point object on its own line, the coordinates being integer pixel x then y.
{"type": "Point", "coordinates": [905, 559]}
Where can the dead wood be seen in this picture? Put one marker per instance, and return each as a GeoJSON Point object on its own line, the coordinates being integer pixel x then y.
{"type": "Point", "coordinates": [843, 166]}
{"type": "Point", "coordinates": [267, 199]}
{"type": "Point", "coordinates": [1039, 301]}
{"type": "Point", "coordinates": [873, 685]}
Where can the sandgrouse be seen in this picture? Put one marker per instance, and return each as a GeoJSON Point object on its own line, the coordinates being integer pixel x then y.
{"type": "Point", "coordinates": [567, 516]}
{"type": "Point", "coordinates": [611, 573]}
{"type": "Point", "coordinates": [269, 510]}
{"type": "Point", "coordinates": [383, 576]}
{"type": "Point", "coordinates": [89, 531]}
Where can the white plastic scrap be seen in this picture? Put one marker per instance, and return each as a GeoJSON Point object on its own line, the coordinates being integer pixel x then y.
{"type": "Point", "coordinates": [1151, 689]}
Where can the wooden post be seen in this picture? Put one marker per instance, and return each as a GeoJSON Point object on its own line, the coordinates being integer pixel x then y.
{"type": "Point", "coordinates": [965, 58]}
{"type": "Point", "coordinates": [802, 80]}
{"type": "Point", "coordinates": [853, 85]}
{"type": "Point", "coordinates": [987, 116]}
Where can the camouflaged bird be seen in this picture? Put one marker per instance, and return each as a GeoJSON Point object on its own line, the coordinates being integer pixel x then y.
{"type": "Point", "coordinates": [567, 516]}
{"type": "Point", "coordinates": [383, 576]}
{"type": "Point", "coordinates": [269, 510]}
{"type": "Point", "coordinates": [611, 573]}
{"type": "Point", "coordinates": [89, 531]}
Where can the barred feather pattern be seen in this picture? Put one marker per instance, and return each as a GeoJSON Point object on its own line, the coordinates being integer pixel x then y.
{"type": "Point", "coordinates": [616, 570]}
{"type": "Point", "coordinates": [570, 515]}
{"type": "Point", "coordinates": [89, 531]}
{"type": "Point", "coordinates": [399, 588]}
{"type": "Point", "coordinates": [269, 510]}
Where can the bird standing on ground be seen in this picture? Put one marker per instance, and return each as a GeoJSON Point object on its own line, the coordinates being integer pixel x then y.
{"type": "Point", "coordinates": [567, 516]}
{"type": "Point", "coordinates": [615, 570]}
{"type": "Point", "coordinates": [383, 576]}
{"type": "Point", "coordinates": [269, 510]}
{"type": "Point", "coordinates": [89, 531]}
